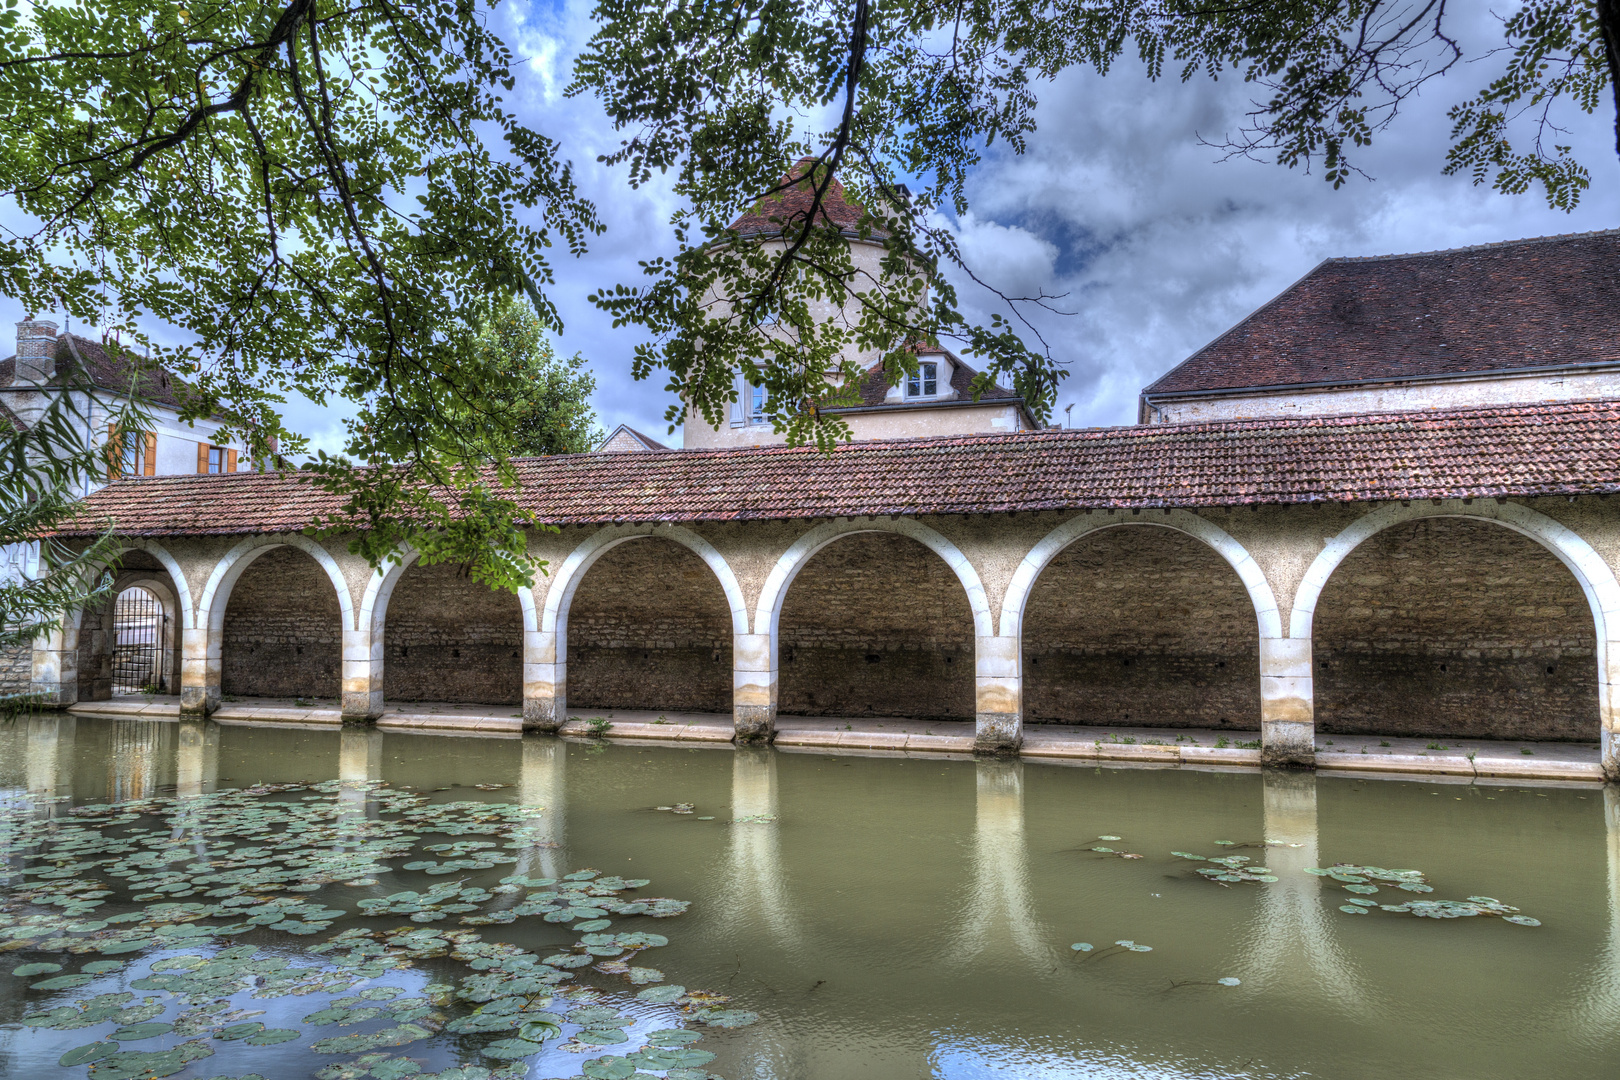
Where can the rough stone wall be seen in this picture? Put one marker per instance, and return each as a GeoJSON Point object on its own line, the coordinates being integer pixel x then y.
{"type": "Point", "coordinates": [876, 625]}
{"type": "Point", "coordinates": [649, 628]}
{"type": "Point", "coordinates": [1141, 626]}
{"type": "Point", "coordinates": [449, 638]}
{"type": "Point", "coordinates": [16, 669]}
{"type": "Point", "coordinates": [1447, 627]}
{"type": "Point", "coordinates": [283, 630]}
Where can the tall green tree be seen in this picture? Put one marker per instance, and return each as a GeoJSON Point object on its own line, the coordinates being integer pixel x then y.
{"type": "Point", "coordinates": [548, 410]}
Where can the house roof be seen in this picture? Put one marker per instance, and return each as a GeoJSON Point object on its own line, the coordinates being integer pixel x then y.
{"type": "Point", "coordinates": [1553, 449]}
{"type": "Point", "coordinates": [643, 442]}
{"type": "Point", "coordinates": [793, 204]}
{"type": "Point", "coordinates": [875, 386]}
{"type": "Point", "coordinates": [1548, 302]}
{"type": "Point", "coordinates": [11, 421]}
{"type": "Point", "coordinates": [109, 370]}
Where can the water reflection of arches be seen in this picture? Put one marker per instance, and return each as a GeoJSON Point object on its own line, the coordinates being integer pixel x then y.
{"type": "Point", "coordinates": [48, 755]}
{"type": "Point", "coordinates": [1293, 946]}
{"type": "Point", "coordinates": [542, 782]}
{"type": "Point", "coordinates": [137, 763]}
{"type": "Point", "coordinates": [755, 889]}
{"type": "Point", "coordinates": [1599, 1008]}
{"type": "Point", "coordinates": [1000, 910]}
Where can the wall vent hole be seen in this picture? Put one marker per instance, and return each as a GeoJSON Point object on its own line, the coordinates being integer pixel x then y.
{"type": "Point", "coordinates": [872, 658]}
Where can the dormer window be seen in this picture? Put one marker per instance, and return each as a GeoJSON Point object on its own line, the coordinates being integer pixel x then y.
{"type": "Point", "coordinates": [925, 382]}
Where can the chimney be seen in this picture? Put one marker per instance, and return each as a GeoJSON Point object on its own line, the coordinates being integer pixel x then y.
{"type": "Point", "coordinates": [36, 352]}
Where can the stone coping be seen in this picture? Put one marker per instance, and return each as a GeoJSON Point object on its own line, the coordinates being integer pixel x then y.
{"type": "Point", "coordinates": [1199, 748]}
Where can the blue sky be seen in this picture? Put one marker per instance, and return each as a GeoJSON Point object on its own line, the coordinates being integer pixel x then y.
{"type": "Point", "coordinates": [1160, 245]}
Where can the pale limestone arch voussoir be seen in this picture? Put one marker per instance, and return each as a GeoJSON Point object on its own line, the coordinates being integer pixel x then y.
{"type": "Point", "coordinates": [768, 613]}
{"type": "Point", "coordinates": [1593, 574]}
{"type": "Point", "coordinates": [216, 593]}
{"type": "Point", "coordinates": [179, 591]}
{"type": "Point", "coordinates": [553, 614]}
{"type": "Point", "coordinates": [373, 612]}
{"type": "Point", "coordinates": [1267, 616]}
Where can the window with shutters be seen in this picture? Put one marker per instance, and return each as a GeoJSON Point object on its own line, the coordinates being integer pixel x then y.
{"type": "Point", "coordinates": [216, 459]}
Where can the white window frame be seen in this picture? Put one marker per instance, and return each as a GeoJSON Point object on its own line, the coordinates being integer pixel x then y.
{"type": "Point", "coordinates": [925, 382]}
{"type": "Point", "coordinates": [217, 458]}
{"type": "Point", "coordinates": [134, 455]}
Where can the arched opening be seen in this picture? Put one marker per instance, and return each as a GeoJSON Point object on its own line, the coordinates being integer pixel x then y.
{"type": "Point", "coordinates": [282, 634]}
{"type": "Point", "coordinates": [450, 638]}
{"type": "Point", "coordinates": [649, 627]}
{"type": "Point", "coordinates": [876, 624]}
{"type": "Point", "coordinates": [1456, 627]}
{"type": "Point", "coordinates": [129, 643]}
{"type": "Point", "coordinates": [140, 661]}
{"type": "Point", "coordinates": [1145, 626]}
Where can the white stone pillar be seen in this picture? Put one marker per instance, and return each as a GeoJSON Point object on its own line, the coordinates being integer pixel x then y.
{"type": "Point", "coordinates": [998, 710]}
{"type": "Point", "coordinates": [362, 677]}
{"type": "Point", "coordinates": [48, 755]}
{"type": "Point", "coordinates": [197, 758]}
{"type": "Point", "coordinates": [545, 682]}
{"type": "Point", "coordinates": [543, 782]}
{"type": "Point", "coordinates": [200, 671]}
{"type": "Point", "coordinates": [1609, 707]}
{"type": "Point", "coordinates": [54, 675]}
{"type": "Point", "coordinates": [1287, 703]}
{"type": "Point", "coordinates": [753, 687]}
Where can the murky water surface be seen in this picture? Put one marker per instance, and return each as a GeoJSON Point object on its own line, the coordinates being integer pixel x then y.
{"type": "Point", "coordinates": [890, 918]}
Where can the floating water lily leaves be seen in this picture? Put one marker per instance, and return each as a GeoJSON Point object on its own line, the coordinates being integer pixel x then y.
{"type": "Point", "coordinates": [25, 970]}
{"type": "Point", "coordinates": [727, 1018]}
{"type": "Point", "coordinates": [668, 994]}
{"type": "Point", "coordinates": [83, 1055]}
{"type": "Point", "coordinates": [1351, 909]}
{"type": "Point", "coordinates": [609, 1068]}
{"type": "Point", "coordinates": [1081, 946]}
{"type": "Point", "coordinates": [1229, 981]}
{"type": "Point", "coordinates": [1521, 920]}
{"type": "Point", "coordinates": [512, 1049]}
{"type": "Point", "coordinates": [673, 1037]}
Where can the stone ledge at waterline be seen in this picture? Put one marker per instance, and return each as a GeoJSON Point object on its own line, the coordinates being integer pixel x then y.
{"type": "Point", "coordinates": [1163, 748]}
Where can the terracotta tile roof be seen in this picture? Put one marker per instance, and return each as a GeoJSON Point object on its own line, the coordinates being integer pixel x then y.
{"type": "Point", "coordinates": [1552, 301]}
{"type": "Point", "coordinates": [793, 205]}
{"type": "Point", "coordinates": [11, 421]}
{"type": "Point", "coordinates": [108, 370]}
{"type": "Point", "coordinates": [1556, 449]}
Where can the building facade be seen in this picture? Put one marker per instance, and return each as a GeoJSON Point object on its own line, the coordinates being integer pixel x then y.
{"type": "Point", "coordinates": [1525, 321]}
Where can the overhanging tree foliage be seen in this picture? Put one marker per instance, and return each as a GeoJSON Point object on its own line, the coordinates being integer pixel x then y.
{"type": "Point", "coordinates": [325, 195]}
{"type": "Point", "coordinates": [726, 95]}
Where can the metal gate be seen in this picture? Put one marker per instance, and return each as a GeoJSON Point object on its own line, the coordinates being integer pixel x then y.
{"type": "Point", "coordinates": [137, 662]}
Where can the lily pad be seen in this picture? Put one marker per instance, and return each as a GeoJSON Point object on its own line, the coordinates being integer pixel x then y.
{"type": "Point", "coordinates": [23, 971]}
{"type": "Point", "coordinates": [512, 1049]}
{"type": "Point", "coordinates": [83, 1055]}
{"type": "Point", "coordinates": [668, 994]}
{"type": "Point", "coordinates": [1229, 981]}
{"type": "Point", "coordinates": [1521, 920]}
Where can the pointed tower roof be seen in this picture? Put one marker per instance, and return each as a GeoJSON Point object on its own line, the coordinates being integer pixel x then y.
{"type": "Point", "coordinates": [794, 201]}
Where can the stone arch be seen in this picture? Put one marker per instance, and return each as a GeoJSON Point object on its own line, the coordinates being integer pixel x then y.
{"type": "Point", "coordinates": [769, 610]}
{"type": "Point", "coordinates": [820, 666]}
{"type": "Point", "coordinates": [168, 644]}
{"type": "Point", "coordinates": [60, 657]}
{"type": "Point", "coordinates": [372, 614]}
{"type": "Point", "coordinates": [1590, 572]}
{"type": "Point", "coordinates": [553, 613]}
{"type": "Point", "coordinates": [545, 672]}
{"type": "Point", "coordinates": [438, 635]}
{"type": "Point", "coordinates": [217, 592]}
{"type": "Point", "coordinates": [1267, 617]}
{"type": "Point", "coordinates": [277, 678]}
{"type": "Point", "coordinates": [1168, 638]}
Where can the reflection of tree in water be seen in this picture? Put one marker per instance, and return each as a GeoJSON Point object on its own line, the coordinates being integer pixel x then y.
{"type": "Point", "coordinates": [1293, 947]}
{"type": "Point", "coordinates": [541, 782]}
{"type": "Point", "coordinates": [999, 909]}
{"type": "Point", "coordinates": [756, 885]}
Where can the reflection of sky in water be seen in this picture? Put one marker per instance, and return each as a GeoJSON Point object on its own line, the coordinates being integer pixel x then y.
{"type": "Point", "coordinates": [974, 1059]}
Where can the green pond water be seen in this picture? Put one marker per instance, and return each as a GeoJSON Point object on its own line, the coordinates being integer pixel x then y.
{"type": "Point", "coordinates": [846, 917]}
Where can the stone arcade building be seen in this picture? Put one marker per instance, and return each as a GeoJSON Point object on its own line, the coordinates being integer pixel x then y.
{"type": "Point", "coordinates": [1443, 573]}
